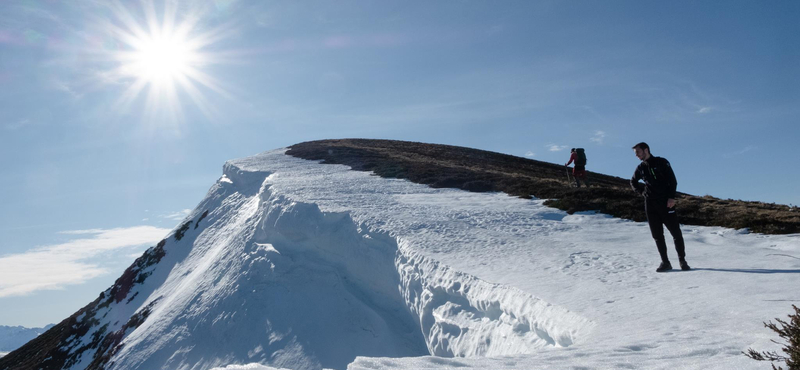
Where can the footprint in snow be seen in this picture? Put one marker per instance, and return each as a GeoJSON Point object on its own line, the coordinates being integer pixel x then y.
{"type": "Point", "coordinates": [603, 265]}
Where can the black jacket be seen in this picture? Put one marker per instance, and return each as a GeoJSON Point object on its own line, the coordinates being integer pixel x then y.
{"type": "Point", "coordinates": [659, 180]}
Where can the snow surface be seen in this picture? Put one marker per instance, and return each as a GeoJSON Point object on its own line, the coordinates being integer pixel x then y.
{"type": "Point", "coordinates": [307, 266]}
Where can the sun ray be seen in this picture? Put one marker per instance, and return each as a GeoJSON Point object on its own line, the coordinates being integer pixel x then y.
{"type": "Point", "coordinates": [130, 94]}
{"type": "Point", "coordinates": [198, 98]}
{"type": "Point", "coordinates": [207, 81]}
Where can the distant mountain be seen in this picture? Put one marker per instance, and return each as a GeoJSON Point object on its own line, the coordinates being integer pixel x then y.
{"type": "Point", "coordinates": [13, 337]}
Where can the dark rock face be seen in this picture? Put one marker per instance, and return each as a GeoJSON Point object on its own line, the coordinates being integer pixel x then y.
{"type": "Point", "coordinates": [57, 349]}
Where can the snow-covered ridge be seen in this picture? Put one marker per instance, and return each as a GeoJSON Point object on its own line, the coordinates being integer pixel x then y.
{"type": "Point", "coordinates": [458, 314]}
{"type": "Point", "coordinates": [288, 263]}
{"type": "Point", "coordinates": [256, 275]}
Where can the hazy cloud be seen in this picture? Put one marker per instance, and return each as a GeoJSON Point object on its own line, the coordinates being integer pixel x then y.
{"type": "Point", "coordinates": [704, 110]}
{"type": "Point", "coordinates": [17, 125]}
{"type": "Point", "coordinates": [740, 152]}
{"type": "Point", "coordinates": [109, 77]}
{"type": "Point", "coordinates": [55, 266]}
{"type": "Point", "coordinates": [555, 148]}
{"type": "Point", "coordinates": [598, 137]}
{"type": "Point", "coordinates": [177, 216]}
{"type": "Point", "coordinates": [65, 87]}
{"type": "Point", "coordinates": [530, 154]}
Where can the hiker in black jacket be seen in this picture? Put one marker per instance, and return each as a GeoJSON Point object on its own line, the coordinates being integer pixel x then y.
{"type": "Point", "coordinates": [659, 193]}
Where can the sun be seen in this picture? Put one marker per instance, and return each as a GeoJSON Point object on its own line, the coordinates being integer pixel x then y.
{"type": "Point", "coordinates": [163, 59]}
{"type": "Point", "coordinates": [161, 56]}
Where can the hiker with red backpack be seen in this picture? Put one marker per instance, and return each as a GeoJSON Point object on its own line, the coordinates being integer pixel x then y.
{"type": "Point", "coordinates": [579, 157]}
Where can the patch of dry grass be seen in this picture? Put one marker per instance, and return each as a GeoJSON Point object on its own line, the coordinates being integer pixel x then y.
{"type": "Point", "coordinates": [444, 166]}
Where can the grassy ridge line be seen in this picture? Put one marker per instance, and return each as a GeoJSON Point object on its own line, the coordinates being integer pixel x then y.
{"type": "Point", "coordinates": [444, 166]}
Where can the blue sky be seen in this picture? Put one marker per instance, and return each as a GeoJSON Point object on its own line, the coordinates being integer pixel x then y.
{"type": "Point", "coordinates": [98, 161]}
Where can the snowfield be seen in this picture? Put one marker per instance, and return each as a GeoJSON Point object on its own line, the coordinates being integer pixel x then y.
{"type": "Point", "coordinates": [301, 265]}
{"type": "Point", "coordinates": [595, 272]}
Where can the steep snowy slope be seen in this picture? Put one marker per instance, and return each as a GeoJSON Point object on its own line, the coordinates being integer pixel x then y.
{"type": "Point", "coordinates": [596, 266]}
{"type": "Point", "coordinates": [293, 264]}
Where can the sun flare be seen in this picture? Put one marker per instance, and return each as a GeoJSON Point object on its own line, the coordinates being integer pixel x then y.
{"type": "Point", "coordinates": [164, 55]}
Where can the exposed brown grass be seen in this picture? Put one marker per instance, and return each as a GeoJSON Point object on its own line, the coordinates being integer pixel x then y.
{"type": "Point", "coordinates": [444, 166]}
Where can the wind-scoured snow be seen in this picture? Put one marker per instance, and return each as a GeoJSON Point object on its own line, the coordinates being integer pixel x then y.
{"type": "Point", "coordinates": [301, 265]}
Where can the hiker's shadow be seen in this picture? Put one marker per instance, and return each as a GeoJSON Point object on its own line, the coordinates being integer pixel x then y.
{"type": "Point", "coordinates": [750, 271]}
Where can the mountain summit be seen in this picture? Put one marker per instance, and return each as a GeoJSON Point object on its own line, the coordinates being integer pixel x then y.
{"type": "Point", "coordinates": [297, 264]}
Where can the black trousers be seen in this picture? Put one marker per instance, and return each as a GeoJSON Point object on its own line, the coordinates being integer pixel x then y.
{"type": "Point", "coordinates": [658, 216]}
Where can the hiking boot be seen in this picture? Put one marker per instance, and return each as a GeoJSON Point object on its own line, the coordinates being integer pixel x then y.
{"type": "Point", "coordinates": [664, 267]}
{"type": "Point", "coordinates": [684, 265]}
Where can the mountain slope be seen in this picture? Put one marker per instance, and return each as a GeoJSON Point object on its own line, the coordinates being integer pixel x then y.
{"type": "Point", "coordinates": [295, 264]}
{"type": "Point", "coordinates": [255, 275]}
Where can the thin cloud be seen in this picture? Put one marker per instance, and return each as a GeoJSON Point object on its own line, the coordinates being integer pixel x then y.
{"type": "Point", "coordinates": [747, 149]}
{"type": "Point", "coordinates": [56, 266]}
{"type": "Point", "coordinates": [555, 148]}
{"type": "Point", "coordinates": [598, 137]}
{"type": "Point", "coordinates": [66, 88]}
{"type": "Point", "coordinates": [177, 216]}
{"type": "Point", "coordinates": [108, 77]}
{"type": "Point", "coordinates": [737, 153]}
{"type": "Point", "coordinates": [530, 154]}
{"type": "Point", "coordinates": [704, 110]}
{"type": "Point", "coordinates": [81, 232]}
{"type": "Point", "coordinates": [18, 124]}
